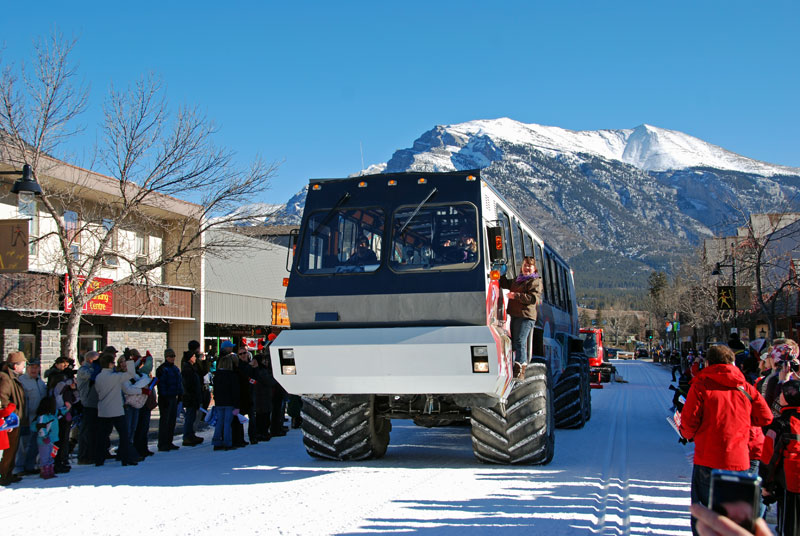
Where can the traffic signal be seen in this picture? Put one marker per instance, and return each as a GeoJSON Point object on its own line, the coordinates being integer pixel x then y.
{"type": "Point", "coordinates": [648, 333]}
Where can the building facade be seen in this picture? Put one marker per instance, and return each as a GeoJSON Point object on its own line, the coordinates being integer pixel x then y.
{"type": "Point", "coordinates": [34, 304]}
{"type": "Point", "coordinates": [244, 296]}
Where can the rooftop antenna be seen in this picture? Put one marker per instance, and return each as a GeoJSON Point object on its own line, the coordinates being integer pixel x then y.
{"type": "Point", "coordinates": [362, 157]}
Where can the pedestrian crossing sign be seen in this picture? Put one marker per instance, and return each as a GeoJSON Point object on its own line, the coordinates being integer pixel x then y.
{"type": "Point", "coordinates": [725, 297]}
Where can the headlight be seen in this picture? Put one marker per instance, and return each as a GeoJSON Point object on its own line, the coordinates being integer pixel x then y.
{"type": "Point", "coordinates": [480, 359]}
{"type": "Point", "coordinates": [286, 357]}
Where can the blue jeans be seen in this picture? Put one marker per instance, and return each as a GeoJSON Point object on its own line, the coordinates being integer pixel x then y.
{"type": "Point", "coordinates": [188, 423]}
{"type": "Point", "coordinates": [131, 420]}
{"type": "Point", "coordinates": [701, 487]}
{"type": "Point", "coordinates": [520, 329]}
{"type": "Point", "coordinates": [28, 450]}
{"type": "Point", "coordinates": [222, 431]}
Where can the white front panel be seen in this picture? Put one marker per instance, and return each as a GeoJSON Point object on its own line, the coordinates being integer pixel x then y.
{"type": "Point", "coordinates": [414, 360]}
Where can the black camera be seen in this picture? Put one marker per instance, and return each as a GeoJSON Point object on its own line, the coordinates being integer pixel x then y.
{"type": "Point", "coordinates": [736, 495]}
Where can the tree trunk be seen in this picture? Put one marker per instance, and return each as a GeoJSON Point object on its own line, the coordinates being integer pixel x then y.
{"type": "Point", "coordinates": [70, 348]}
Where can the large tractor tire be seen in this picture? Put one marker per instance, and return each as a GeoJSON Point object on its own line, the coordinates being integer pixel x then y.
{"type": "Point", "coordinates": [523, 431]}
{"type": "Point", "coordinates": [570, 396]}
{"type": "Point", "coordinates": [587, 386]}
{"type": "Point", "coordinates": [344, 428]}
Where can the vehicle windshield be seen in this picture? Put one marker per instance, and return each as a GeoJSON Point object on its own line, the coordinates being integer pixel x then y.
{"type": "Point", "coordinates": [589, 343]}
{"type": "Point", "coordinates": [441, 237]}
{"type": "Point", "coordinates": [344, 240]}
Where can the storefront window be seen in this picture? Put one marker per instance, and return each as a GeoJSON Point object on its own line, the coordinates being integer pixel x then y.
{"type": "Point", "coordinates": [90, 338]}
{"type": "Point", "coordinates": [27, 340]}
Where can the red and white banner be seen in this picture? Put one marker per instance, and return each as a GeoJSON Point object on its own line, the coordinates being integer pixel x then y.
{"type": "Point", "coordinates": [102, 304]}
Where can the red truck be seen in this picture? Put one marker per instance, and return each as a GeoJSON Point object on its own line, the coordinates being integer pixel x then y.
{"type": "Point", "coordinates": [600, 369]}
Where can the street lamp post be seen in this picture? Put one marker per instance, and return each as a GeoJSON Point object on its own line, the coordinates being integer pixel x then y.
{"type": "Point", "coordinates": [26, 185]}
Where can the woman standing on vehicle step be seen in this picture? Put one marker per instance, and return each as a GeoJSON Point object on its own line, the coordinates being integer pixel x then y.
{"type": "Point", "coordinates": [526, 291]}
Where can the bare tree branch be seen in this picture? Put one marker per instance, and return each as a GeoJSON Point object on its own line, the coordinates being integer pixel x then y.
{"type": "Point", "coordinates": [152, 156]}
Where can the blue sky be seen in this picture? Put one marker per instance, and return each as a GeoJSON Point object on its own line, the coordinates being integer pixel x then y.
{"type": "Point", "coordinates": [307, 84]}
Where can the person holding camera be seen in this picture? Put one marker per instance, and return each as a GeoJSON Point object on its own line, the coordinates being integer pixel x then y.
{"type": "Point", "coordinates": [720, 409]}
{"type": "Point", "coordinates": [784, 356]}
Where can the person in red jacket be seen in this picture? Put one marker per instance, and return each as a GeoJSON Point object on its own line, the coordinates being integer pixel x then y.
{"type": "Point", "coordinates": [720, 410]}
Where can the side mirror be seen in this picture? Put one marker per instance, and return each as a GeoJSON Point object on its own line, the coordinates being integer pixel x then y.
{"type": "Point", "coordinates": [293, 234]}
{"type": "Point", "coordinates": [496, 245]}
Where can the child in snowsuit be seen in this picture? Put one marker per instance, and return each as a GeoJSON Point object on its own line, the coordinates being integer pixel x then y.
{"type": "Point", "coordinates": [46, 429]}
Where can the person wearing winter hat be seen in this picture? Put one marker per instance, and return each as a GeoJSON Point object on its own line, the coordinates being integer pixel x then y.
{"type": "Point", "coordinates": [12, 392]}
{"type": "Point", "coordinates": [783, 353]}
{"type": "Point", "coordinates": [170, 387]}
{"type": "Point", "coordinates": [720, 410]}
{"type": "Point", "coordinates": [192, 396]}
{"type": "Point", "coordinates": [35, 391]}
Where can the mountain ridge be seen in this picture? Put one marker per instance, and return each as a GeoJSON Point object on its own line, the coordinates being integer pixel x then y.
{"type": "Point", "coordinates": [647, 194]}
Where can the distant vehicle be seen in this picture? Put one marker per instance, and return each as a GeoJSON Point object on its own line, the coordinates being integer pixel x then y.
{"type": "Point", "coordinates": [641, 353]}
{"type": "Point", "coordinates": [624, 354]}
{"type": "Point", "coordinates": [611, 353]}
{"type": "Point", "coordinates": [599, 367]}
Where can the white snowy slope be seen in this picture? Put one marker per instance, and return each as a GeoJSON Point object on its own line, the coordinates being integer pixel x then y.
{"type": "Point", "coordinates": [623, 473]}
{"type": "Point", "coordinates": [254, 213]}
{"type": "Point", "coordinates": [646, 147]}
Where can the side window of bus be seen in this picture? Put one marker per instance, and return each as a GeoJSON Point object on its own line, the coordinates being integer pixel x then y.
{"type": "Point", "coordinates": [504, 221]}
{"type": "Point", "coordinates": [553, 281]}
{"type": "Point", "coordinates": [542, 272]}
{"type": "Point", "coordinates": [529, 247]}
{"type": "Point", "coordinates": [562, 302]}
{"type": "Point", "coordinates": [519, 250]}
{"type": "Point", "coordinates": [565, 286]}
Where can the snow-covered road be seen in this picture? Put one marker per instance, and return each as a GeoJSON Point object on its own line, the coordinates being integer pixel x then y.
{"type": "Point", "coordinates": [623, 473]}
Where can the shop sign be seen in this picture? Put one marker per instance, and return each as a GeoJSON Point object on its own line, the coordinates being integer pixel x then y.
{"type": "Point", "coordinates": [102, 304]}
{"type": "Point", "coordinates": [280, 315]}
{"type": "Point", "coordinates": [13, 246]}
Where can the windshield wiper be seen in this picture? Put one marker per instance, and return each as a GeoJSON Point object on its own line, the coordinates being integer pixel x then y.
{"type": "Point", "coordinates": [342, 200]}
{"type": "Point", "coordinates": [416, 210]}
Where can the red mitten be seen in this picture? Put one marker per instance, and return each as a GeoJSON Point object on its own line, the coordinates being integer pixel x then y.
{"type": "Point", "coordinates": [8, 410]}
{"type": "Point", "coordinates": [145, 391]}
{"type": "Point", "coordinates": [46, 440]}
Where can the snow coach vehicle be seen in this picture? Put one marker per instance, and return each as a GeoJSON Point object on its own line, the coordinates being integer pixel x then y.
{"type": "Point", "coordinates": [397, 313]}
{"type": "Point", "coordinates": [600, 368]}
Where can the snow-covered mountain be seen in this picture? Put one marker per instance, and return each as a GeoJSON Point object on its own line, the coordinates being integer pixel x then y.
{"type": "Point", "coordinates": [644, 197]}
{"type": "Point", "coordinates": [646, 147]}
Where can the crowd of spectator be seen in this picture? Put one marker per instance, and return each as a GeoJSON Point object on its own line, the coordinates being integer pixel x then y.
{"type": "Point", "coordinates": [741, 410]}
{"type": "Point", "coordinates": [65, 411]}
